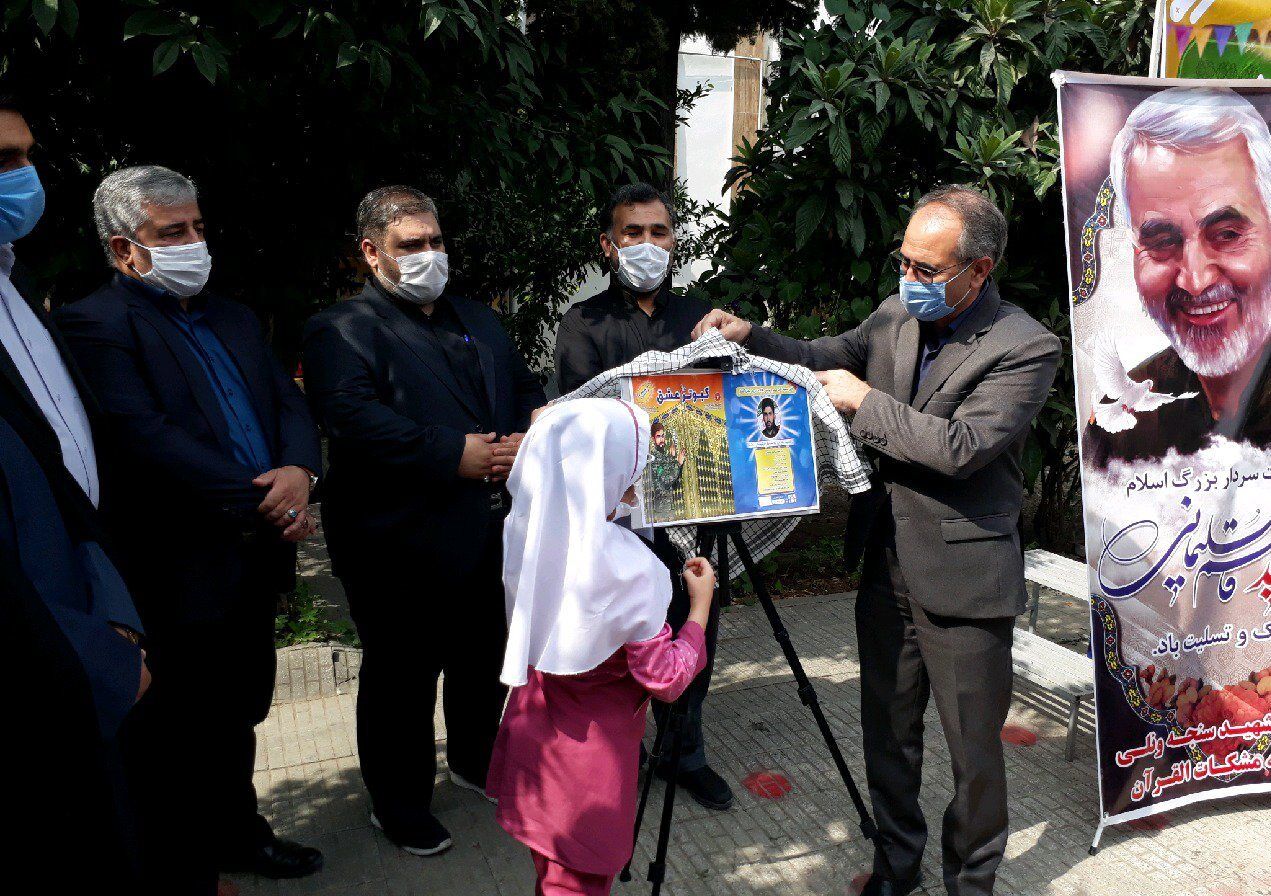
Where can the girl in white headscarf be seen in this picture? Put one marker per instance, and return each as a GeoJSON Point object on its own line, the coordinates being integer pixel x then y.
{"type": "Point", "coordinates": [588, 644]}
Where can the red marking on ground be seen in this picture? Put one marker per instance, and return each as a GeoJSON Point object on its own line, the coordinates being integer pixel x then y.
{"type": "Point", "coordinates": [767, 785]}
{"type": "Point", "coordinates": [858, 883]}
{"type": "Point", "coordinates": [1018, 735]}
{"type": "Point", "coordinates": [1151, 823]}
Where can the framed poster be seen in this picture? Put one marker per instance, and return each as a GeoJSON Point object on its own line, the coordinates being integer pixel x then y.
{"type": "Point", "coordinates": [1167, 192]}
{"type": "Point", "coordinates": [724, 446]}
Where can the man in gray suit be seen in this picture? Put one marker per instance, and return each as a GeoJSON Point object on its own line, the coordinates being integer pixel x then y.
{"type": "Point", "coordinates": [942, 381]}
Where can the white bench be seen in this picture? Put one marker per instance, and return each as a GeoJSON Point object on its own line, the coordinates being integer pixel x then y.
{"type": "Point", "coordinates": [1045, 663]}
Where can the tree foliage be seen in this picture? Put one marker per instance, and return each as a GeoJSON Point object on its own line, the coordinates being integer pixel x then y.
{"type": "Point", "coordinates": [638, 41]}
{"type": "Point", "coordinates": [885, 102]}
{"type": "Point", "coordinates": [285, 113]}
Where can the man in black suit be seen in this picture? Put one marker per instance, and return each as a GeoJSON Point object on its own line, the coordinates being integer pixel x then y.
{"type": "Point", "coordinates": [211, 455]}
{"type": "Point", "coordinates": [425, 399]}
{"type": "Point", "coordinates": [64, 610]}
{"type": "Point", "coordinates": [639, 313]}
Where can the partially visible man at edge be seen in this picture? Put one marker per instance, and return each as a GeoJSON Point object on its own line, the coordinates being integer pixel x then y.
{"type": "Point", "coordinates": [425, 399]}
{"type": "Point", "coordinates": [64, 611]}
{"type": "Point", "coordinates": [637, 313]}
{"type": "Point", "coordinates": [212, 457]}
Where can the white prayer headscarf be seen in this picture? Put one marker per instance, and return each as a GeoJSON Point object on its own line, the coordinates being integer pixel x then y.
{"type": "Point", "coordinates": [578, 586]}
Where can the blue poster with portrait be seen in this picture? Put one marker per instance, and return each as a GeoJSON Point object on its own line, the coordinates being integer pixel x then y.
{"type": "Point", "coordinates": [770, 445]}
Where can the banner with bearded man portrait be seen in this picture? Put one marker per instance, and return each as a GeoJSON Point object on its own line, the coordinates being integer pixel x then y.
{"type": "Point", "coordinates": [1167, 190]}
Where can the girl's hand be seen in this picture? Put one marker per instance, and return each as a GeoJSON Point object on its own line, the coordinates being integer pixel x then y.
{"type": "Point", "coordinates": [699, 579]}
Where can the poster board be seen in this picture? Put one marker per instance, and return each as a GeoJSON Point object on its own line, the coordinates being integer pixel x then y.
{"type": "Point", "coordinates": [724, 446]}
{"type": "Point", "coordinates": [1171, 301]}
{"type": "Point", "coordinates": [1228, 39]}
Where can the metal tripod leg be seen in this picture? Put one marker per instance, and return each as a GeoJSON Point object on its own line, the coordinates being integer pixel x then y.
{"type": "Point", "coordinates": [807, 693]}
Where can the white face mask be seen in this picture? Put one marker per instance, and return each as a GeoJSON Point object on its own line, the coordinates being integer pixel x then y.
{"type": "Point", "coordinates": [642, 267]}
{"type": "Point", "coordinates": [181, 270]}
{"type": "Point", "coordinates": [424, 276]}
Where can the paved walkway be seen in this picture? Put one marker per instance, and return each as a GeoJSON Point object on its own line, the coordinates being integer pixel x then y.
{"type": "Point", "coordinates": [804, 843]}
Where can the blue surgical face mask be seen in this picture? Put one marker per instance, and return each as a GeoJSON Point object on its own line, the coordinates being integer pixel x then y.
{"type": "Point", "coordinates": [930, 301]}
{"type": "Point", "coordinates": [21, 203]}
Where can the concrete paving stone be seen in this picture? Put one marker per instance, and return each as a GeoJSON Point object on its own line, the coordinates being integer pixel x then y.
{"type": "Point", "coordinates": [808, 842]}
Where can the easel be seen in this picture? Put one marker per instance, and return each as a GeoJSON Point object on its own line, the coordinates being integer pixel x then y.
{"type": "Point", "coordinates": [712, 543]}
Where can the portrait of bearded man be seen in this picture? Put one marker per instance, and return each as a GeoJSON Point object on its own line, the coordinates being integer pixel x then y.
{"type": "Point", "coordinates": [1191, 170]}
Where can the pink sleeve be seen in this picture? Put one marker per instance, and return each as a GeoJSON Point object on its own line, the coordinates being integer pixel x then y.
{"type": "Point", "coordinates": [665, 666]}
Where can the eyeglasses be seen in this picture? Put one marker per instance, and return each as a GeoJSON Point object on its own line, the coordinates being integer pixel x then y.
{"type": "Point", "coordinates": [924, 272]}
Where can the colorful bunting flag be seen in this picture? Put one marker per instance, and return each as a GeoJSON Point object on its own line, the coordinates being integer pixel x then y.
{"type": "Point", "coordinates": [1222, 34]}
{"type": "Point", "coordinates": [1242, 34]}
{"type": "Point", "coordinates": [1182, 34]}
{"type": "Point", "coordinates": [1202, 35]}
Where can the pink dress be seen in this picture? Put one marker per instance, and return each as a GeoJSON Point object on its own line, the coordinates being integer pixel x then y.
{"type": "Point", "coordinates": [567, 757]}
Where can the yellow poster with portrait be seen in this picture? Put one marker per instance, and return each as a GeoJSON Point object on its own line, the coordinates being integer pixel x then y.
{"type": "Point", "coordinates": [1212, 39]}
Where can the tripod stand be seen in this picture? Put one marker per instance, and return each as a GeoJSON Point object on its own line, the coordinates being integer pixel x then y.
{"type": "Point", "coordinates": [712, 543]}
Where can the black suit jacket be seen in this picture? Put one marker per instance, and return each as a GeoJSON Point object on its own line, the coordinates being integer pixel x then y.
{"type": "Point", "coordinates": [181, 509]}
{"type": "Point", "coordinates": [397, 419]}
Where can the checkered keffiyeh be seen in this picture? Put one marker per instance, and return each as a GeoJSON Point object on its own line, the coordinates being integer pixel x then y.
{"type": "Point", "coordinates": [837, 457]}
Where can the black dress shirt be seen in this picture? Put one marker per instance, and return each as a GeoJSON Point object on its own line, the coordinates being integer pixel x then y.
{"type": "Point", "coordinates": [1186, 425]}
{"type": "Point", "coordinates": [442, 323]}
{"type": "Point", "coordinates": [609, 329]}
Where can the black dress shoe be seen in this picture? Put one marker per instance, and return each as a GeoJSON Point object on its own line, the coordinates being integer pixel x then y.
{"type": "Point", "coordinates": [881, 886]}
{"type": "Point", "coordinates": [277, 859]}
{"type": "Point", "coordinates": [704, 786]}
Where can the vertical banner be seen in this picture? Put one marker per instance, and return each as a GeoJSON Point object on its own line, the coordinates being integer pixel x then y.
{"type": "Point", "coordinates": [1212, 39]}
{"type": "Point", "coordinates": [1167, 192]}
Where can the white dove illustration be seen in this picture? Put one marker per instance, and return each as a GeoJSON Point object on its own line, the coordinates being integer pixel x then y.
{"type": "Point", "coordinates": [1124, 397]}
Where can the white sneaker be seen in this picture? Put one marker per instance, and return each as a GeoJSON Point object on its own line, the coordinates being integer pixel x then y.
{"type": "Point", "coordinates": [460, 781]}
{"type": "Point", "coordinates": [434, 839]}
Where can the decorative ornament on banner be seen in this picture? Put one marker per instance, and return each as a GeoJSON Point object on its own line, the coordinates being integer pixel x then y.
{"type": "Point", "coordinates": [1228, 39]}
{"type": "Point", "coordinates": [1171, 334]}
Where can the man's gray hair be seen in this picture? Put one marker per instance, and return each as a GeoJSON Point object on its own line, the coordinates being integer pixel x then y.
{"type": "Point", "coordinates": [983, 224]}
{"type": "Point", "coordinates": [1190, 120]}
{"type": "Point", "coordinates": [119, 202]}
{"type": "Point", "coordinates": [385, 206]}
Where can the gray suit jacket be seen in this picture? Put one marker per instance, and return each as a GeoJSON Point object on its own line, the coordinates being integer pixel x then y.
{"type": "Point", "coordinates": [949, 462]}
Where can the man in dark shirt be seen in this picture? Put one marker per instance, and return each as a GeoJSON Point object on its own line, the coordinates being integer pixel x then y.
{"type": "Point", "coordinates": [209, 458]}
{"type": "Point", "coordinates": [424, 398]}
{"type": "Point", "coordinates": [636, 314]}
{"type": "Point", "coordinates": [612, 327]}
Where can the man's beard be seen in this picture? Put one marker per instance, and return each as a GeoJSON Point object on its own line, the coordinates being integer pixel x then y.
{"type": "Point", "coordinates": [1215, 351]}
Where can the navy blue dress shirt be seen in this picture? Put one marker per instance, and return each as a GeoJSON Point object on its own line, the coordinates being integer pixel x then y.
{"type": "Point", "coordinates": [250, 447]}
{"type": "Point", "coordinates": [932, 339]}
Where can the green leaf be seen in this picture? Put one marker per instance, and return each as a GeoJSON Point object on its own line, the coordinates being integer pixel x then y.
{"type": "Point", "coordinates": [204, 61]}
{"type": "Point", "coordinates": [347, 55]}
{"type": "Point", "coordinates": [432, 21]}
{"type": "Point", "coordinates": [808, 219]}
{"type": "Point", "coordinates": [164, 55]}
{"type": "Point", "coordinates": [266, 12]}
{"type": "Point", "coordinates": [840, 145]}
{"type": "Point", "coordinates": [68, 17]}
{"type": "Point", "coordinates": [45, 13]}
{"type": "Point", "coordinates": [157, 22]}
{"type": "Point", "coordinates": [804, 131]}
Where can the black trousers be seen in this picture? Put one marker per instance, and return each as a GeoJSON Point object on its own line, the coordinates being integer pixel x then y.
{"type": "Point", "coordinates": [693, 748]}
{"type": "Point", "coordinates": [190, 744]}
{"type": "Point", "coordinates": [416, 624]}
{"type": "Point", "coordinates": [907, 656]}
